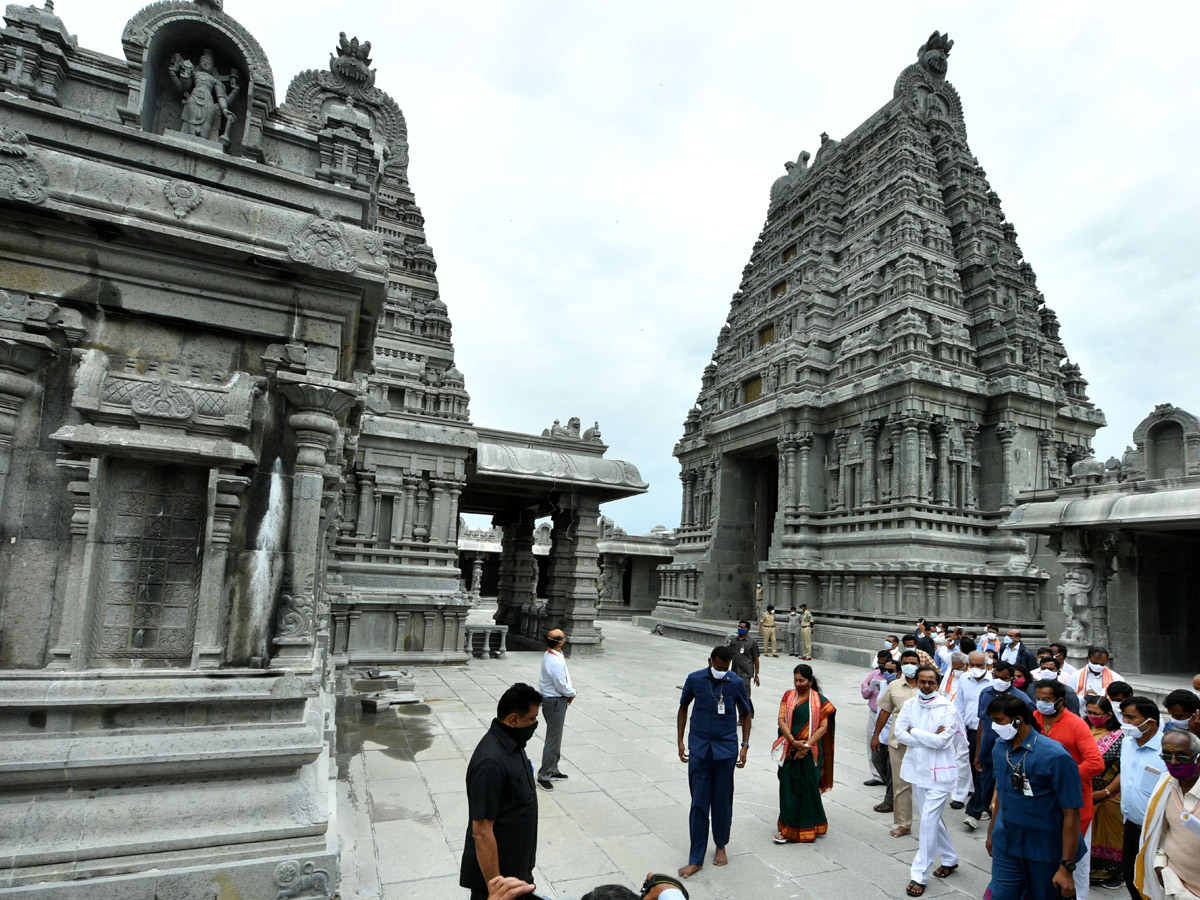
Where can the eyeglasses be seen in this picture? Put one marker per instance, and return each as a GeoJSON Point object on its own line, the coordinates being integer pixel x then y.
{"type": "Point", "coordinates": [1179, 760]}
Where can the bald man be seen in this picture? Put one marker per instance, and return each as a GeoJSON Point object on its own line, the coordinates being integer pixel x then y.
{"type": "Point", "coordinates": [557, 695]}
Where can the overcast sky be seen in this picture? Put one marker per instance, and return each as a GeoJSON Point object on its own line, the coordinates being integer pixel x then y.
{"type": "Point", "coordinates": [593, 176]}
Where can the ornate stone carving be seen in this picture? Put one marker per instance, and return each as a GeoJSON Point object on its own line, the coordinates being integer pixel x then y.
{"type": "Point", "coordinates": [163, 399]}
{"type": "Point", "coordinates": [322, 241]}
{"type": "Point", "coordinates": [353, 61]}
{"type": "Point", "coordinates": [1075, 595]}
{"type": "Point", "coordinates": [183, 196]}
{"type": "Point", "coordinates": [205, 98]}
{"type": "Point", "coordinates": [22, 176]}
{"type": "Point", "coordinates": [301, 881]}
{"type": "Point", "coordinates": [295, 617]}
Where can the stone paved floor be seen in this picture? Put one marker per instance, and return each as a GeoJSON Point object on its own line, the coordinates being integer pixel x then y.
{"type": "Point", "coordinates": [624, 811]}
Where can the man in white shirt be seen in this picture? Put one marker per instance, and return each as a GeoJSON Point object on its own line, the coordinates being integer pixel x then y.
{"type": "Point", "coordinates": [1096, 676]}
{"type": "Point", "coordinates": [1066, 671]}
{"type": "Point", "coordinates": [932, 730]}
{"type": "Point", "coordinates": [966, 701]}
{"type": "Point", "coordinates": [557, 695]}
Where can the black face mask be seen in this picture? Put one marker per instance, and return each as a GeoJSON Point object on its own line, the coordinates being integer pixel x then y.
{"type": "Point", "coordinates": [520, 736]}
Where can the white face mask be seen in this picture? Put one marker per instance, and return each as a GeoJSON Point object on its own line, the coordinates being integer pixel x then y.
{"type": "Point", "coordinates": [717, 673]}
{"type": "Point", "coordinates": [887, 645]}
{"type": "Point", "coordinates": [1132, 731]}
{"type": "Point", "coordinates": [991, 635]}
{"type": "Point", "coordinates": [909, 671]}
{"type": "Point", "coordinates": [978, 673]}
{"type": "Point", "coordinates": [1047, 707]}
{"type": "Point", "coordinates": [926, 697]}
{"type": "Point", "coordinates": [1001, 686]}
{"type": "Point", "coordinates": [1045, 675]}
{"type": "Point", "coordinates": [1005, 732]}
{"type": "Point", "coordinates": [1095, 668]}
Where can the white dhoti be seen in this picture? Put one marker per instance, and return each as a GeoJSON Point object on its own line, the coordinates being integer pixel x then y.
{"type": "Point", "coordinates": [1083, 868]}
{"type": "Point", "coordinates": [934, 838]}
{"type": "Point", "coordinates": [872, 717]}
{"type": "Point", "coordinates": [962, 787]}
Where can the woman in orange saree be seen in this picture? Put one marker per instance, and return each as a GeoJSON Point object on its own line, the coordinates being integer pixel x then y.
{"type": "Point", "coordinates": [806, 722]}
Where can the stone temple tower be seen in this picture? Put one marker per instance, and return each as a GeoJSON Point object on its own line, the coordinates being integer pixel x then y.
{"type": "Point", "coordinates": [887, 379]}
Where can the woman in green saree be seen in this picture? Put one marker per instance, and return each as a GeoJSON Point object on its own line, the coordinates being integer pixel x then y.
{"type": "Point", "coordinates": [805, 751]}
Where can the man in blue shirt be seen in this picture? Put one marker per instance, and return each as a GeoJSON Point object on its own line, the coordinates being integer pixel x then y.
{"type": "Point", "coordinates": [1034, 836]}
{"type": "Point", "coordinates": [1141, 767]}
{"type": "Point", "coordinates": [712, 752]}
{"type": "Point", "coordinates": [1002, 676]}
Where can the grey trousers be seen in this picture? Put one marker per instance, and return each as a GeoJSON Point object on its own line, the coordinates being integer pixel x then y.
{"type": "Point", "coordinates": [555, 711]}
{"type": "Point", "coordinates": [794, 645]}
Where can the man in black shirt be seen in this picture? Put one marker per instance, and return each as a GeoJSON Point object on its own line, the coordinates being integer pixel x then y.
{"type": "Point", "coordinates": [501, 797]}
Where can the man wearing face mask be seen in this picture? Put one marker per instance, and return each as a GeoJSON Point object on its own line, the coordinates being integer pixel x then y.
{"type": "Point", "coordinates": [1033, 837]}
{"type": "Point", "coordinates": [879, 756]}
{"type": "Point", "coordinates": [557, 694]}
{"type": "Point", "coordinates": [1168, 864]}
{"type": "Point", "coordinates": [501, 798]}
{"type": "Point", "coordinates": [890, 702]}
{"type": "Point", "coordinates": [931, 729]}
{"type": "Point", "coordinates": [872, 686]}
{"type": "Point", "coordinates": [1066, 671]}
{"type": "Point", "coordinates": [990, 639]}
{"type": "Point", "coordinates": [1002, 676]}
{"type": "Point", "coordinates": [892, 645]}
{"type": "Point", "coordinates": [1047, 670]}
{"type": "Point", "coordinates": [1096, 676]}
{"type": "Point", "coordinates": [712, 753]}
{"type": "Point", "coordinates": [1066, 728]}
{"type": "Point", "coordinates": [1141, 768]}
{"type": "Point", "coordinates": [744, 651]}
{"type": "Point", "coordinates": [1184, 709]}
{"type": "Point", "coordinates": [966, 701]}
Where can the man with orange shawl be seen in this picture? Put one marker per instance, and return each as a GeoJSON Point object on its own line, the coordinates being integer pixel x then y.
{"type": "Point", "coordinates": [804, 751]}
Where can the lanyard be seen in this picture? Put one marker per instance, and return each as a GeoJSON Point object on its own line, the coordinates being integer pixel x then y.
{"type": "Point", "coordinates": [1020, 768]}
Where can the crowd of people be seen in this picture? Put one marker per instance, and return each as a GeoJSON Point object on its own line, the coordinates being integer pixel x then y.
{"type": "Point", "coordinates": [1082, 782]}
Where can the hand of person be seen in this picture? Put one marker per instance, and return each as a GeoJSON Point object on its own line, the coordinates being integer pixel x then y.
{"type": "Point", "coordinates": [1099, 796]}
{"type": "Point", "coordinates": [741, 763]}
{"type": "Point", "coordinates": [1065, 882]}
{"type": "Point", "coordinates": [979, 765]}
{"type": "Point", "coordinates": [875, 745]}
{"type": "Point", "coordinates": [756, 681]}
{"type": "Point", "coordinates": [506, 888]}
{"type": "Point", "coordinates": [682, 752]}
{"type": "Point", "coordinates": [941, 728]}
{"type": "Point", "coordinates": [989, 843]}
{"type": "Point", "coordinates": [570, 700]}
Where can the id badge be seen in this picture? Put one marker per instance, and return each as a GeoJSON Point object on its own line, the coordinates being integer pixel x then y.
{"type": "Point", "coordinates": [720, 707]}
{"type": "Point", "coordinates": [1026, 788]}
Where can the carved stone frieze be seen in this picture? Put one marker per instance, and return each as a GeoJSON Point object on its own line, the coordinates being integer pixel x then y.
{"type": "Point", "coordinates": [323, 241]}
{"type": "Point", "coordinates": [301, 881]}
{"type": "Point", "coordinates": [183, 196]}
{"type": "Point", "coordinates": [162, 399]}
{"type": "Point", "coordinates": [22, 176]}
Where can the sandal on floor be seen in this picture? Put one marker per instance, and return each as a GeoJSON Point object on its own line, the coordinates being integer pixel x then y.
{"type": "Point", "coordinates": [780, 839]}
{"type": "Point", "coordinates": [943, 871]}
{"type": "Point", "coordinates": [914, 889]}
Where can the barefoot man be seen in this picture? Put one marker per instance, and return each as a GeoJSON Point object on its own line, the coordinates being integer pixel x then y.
{"type": "Point", "coordinates": [712, 752]}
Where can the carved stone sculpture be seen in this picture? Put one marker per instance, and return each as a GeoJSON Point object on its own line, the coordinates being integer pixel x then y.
{"type": "Point", "coordinates": [205, 98]}
{"type": "Point", "coordinates": [1075, 595]}
{"type": "Point", "coordinates": [295, 617]}
{"type": "Point", "coordinates": [22, 177]}
{"type": "Point", "coordinates": [298, 880]}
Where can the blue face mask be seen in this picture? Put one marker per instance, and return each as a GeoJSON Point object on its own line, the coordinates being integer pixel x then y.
{"type": "Point", "coordinates": [890, 676]}
{"type": "Point", "coordinates": [1175, 725]}
{"type": "Point", "coordinates": [742, 632]}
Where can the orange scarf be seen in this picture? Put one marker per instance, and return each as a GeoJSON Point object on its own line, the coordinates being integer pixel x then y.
{"type": "Point", "coordinates": [1106, 678]}
{"type": "Point", "coordinates": [814, 719]}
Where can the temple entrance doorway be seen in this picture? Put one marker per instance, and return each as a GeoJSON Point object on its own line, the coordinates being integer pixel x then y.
{"type": "Point", "coordinates": [749, 496]}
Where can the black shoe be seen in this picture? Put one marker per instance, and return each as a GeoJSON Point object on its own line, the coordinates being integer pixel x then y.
{"type": "Point", "coordinates": [560, 776]}
{"type": "Point", "coordinates": [957, 804]}
{"type": "Point", "coordinates": [872, 782]}
{"type": "Point", "coordinates": [545, 784]}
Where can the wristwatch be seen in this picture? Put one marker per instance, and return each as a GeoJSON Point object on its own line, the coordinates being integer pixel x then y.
{"type": "Point", "coordinates": [745, 744]}
{"type": "Point", "coordinates": [1067, 864]}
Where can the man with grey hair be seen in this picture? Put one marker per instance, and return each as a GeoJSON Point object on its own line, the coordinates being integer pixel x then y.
{"type": "Point", "coordinates": [1168, 862]}
{"type": "Point", "coordinates": [966, 701]}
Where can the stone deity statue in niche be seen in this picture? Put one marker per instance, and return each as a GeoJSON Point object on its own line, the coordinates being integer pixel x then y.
{"type": "Point", "coordinates": [1074, 594]}
{"type": "Point", "coordinates": [205, 97]}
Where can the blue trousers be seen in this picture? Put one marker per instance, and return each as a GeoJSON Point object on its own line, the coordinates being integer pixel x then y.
{"type": "Point", "coordinates": [1014, 878]}
{"type": "Point", "coordinates": [986, 786]}
{"type": "Point", "coordinates": [711, 783]}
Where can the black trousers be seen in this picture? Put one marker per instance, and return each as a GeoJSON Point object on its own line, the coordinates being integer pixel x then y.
{"type": "Point", "coordinates": [1129, 852]}
{"type": "Point", "coordinates": [884, 764]}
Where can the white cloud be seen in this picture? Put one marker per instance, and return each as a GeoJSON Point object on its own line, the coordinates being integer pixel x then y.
{"type": "Point", "coordinates": [594, 175]}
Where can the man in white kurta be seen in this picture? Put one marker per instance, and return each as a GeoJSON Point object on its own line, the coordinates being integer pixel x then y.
{"type": "Point", "coordinates": [932, 730]}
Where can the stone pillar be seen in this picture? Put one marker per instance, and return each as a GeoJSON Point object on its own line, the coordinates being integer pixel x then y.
{"type": "Point", "coordinates": [786, 597]}
{"type": "Point", "coordinates": [366, 505]}
{"type": "Point", "coordinates": [516, 550]}
{"type": "Point", "coordinates": [477, 575]}
{"type": "Point", "coordinates": [410, 505]}
{"type": "Point", "coordinates": [941, 430]}
{"type": "Point", "coordinates": [1045, 457]}
{"type": "Point", "coordinates": [437, 524]}
{"type": "Point", "coordinates": [870, 434]}
{"type": "Point", "coordinates": [923, 460]}
{"type": "Point", "coordinates": [571, 593]}
{"type": "Point", "coordinates": [684, 496]}
{"type": "Point", "coordinates": [69, 651]}
{"type": "Point", "coordinates": [841, 438]}
{"type": "Point", "coordinates": [314, 426]}
{"type": "Point", "coordinates": [1006, 433]}
{"type": "Point", "coordinates": [804, 443]}
{"type": "Point", "coordinates": [207, 650]}
{"type": "Point", "coordinates": [421, 523]}
{"type": "Point", "coordinates": [970, 499]}
{"type": "Point", "coordinates": [897, 468]}
{"type": "Point", "coordinates": [789, 450]}
{"type": "Point", "coordinates": [349, 523]}
{"type": "Point", "coordinates": [20, 356]}
{"type": "Point", "coordinates": [397, 500]}
{"type": "Point", "coordinates": [454, 490]}
{"type": "Point", "coordinates": [911, 472]}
